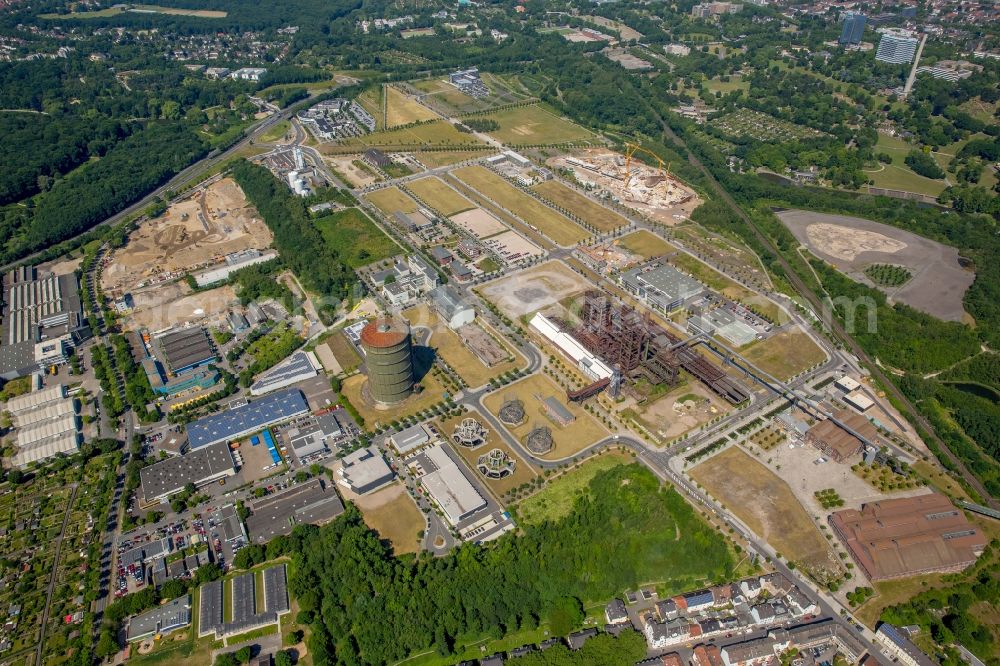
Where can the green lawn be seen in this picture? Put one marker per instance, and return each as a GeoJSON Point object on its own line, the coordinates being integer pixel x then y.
{"type": "Point", "coordinates": [556, 499]}
{"type": "Point", "coordinates": [897, 176]}
{"type": "Point", "coordinates": [356, 238]}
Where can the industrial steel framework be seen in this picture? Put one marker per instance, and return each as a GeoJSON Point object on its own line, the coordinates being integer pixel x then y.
{"type": "Point", "coordinates": [636, 346]}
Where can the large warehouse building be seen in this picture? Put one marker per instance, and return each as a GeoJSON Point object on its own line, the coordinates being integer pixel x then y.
{"type": "Point", "coordinates": [246, 419]}
{"type": "Point", "coordinates": [588, 363]}
{"type": "Point", "coordinates": [186, 349]}
{"type": "Point", "coordinates": [206, 465]}
{"type": "Point", "coordinates": [838, 443]}
{"type": "Point", "coordinates": [450, 488]}
{"type": "Point", "coordinates": [42, 319]}
{"type": "Point", "coordinates": [661, 286]}
{"type": "Point", "coordinates": [908, 536]}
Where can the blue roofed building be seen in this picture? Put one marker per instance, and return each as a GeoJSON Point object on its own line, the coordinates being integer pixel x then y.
{"type": "Point", "coordinates": [246, 419]}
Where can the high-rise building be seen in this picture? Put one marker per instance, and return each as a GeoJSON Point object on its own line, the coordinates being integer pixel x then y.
{"type": "Point", "coordinates": [388, 359]}
{"type": "Point", "coordinates": [897, 47]}
{"type": "Point", "coordinates": [854, 28]}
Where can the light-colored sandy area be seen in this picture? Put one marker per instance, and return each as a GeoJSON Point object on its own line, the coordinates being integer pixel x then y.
{"type": "Point", "coordinates": [161, 307]}
{"type": "Point", "coordinates": [344, 164]}
{"type": "Point", "coordinates": [192, 234]}
{"type": "Point", "coordinates": [681, 410]}
{"type": "Point", "coordinates": [650, 190]}
{"type": "Point", "coordinates": [479, 223]}
{"type": "Point", "coordinates": [796, 464]}
{"type": "Point", "coordinates": [534, 289]}
{"type": "Point", "coordinates": [847, 243]}
{"type": "Point", "coordinates": [940, 277]}
{"type": "Point", "coordinates": [63, 266]}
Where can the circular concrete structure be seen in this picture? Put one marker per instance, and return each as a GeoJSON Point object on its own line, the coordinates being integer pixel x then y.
{"type": "Point", "coordinates": [388, 359]}
{"type": "Point", "coordinates": [539, 440]}
{"type": "Point", "coordinates": [512, 412]}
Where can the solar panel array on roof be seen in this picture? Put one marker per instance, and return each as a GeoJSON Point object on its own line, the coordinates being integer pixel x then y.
{"type": "Point", "coordinates": [244, 597]}
{"type": "Point", "coordinates": [210, 608]}
{"type": "Point", "coordinates": [246, 419]}
{"type": "Point", "coordinates": [299, 366]}
{"type": "Point", "coordinates": [275, 589]}
{"type": "Point", "coordinates": [187, 348]}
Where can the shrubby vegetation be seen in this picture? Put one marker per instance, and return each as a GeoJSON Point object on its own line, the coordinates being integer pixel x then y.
{"type": "Point", "coordinates": [923, 164]}
{"type": "Point", "coordinates": [954, 613]}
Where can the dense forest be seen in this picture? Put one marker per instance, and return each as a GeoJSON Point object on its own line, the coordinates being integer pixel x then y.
{"type": "Point", "coordinates": [621, 533]}
{"type": "Point", "coordinates": [101, 188]}
{"type": "Point", "coordinates": [296, 237]}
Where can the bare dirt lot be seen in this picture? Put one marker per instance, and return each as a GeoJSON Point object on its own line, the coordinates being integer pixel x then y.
{"type": "Point", "coordinates": [534, 289]}
{"type": "Point", "coordinates": [164, 306]}
{"type": "Point", "coordinates": [390, 512]}
{"type": "Point", "coordinates": [851, 244]}
{"type": "Point", "coordinates": [192, 234]}
{"type": "Point", "coordinates": [345, 165]}
{"type": "Point", "coordinates": [681, 410]}
{"type": "Point", "coordinates": [767, 505]}
{"type": "Point", "coordinates": [649, 190]}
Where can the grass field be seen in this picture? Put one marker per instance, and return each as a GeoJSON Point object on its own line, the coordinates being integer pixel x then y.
{"type": "Point", "coordinates": [556, 226]}
{"type": "Point", "coordinates": [403, 110]}
{"type": "Point", "coordinates": [438, 195]}
{"type": "Point", "coordinates": [447, 343]}
{"type": "Point", "coordinates": [392, 513]}
{"type": "Point", "coordinates": [358, 240]}
{"type": "Point", "coordinates": [557, 498]}
{"type": "Point", "coordinates": [535, 125]}
{"type": "Point", "coordinates": [785, 354]}
{"type": "Point", "coordinates": [767, 505]}
{"type": "Point", "coordinates": [735, 82]}
{"type": "Point", "coordinates": [439, 158]}
{"type": "Point", "coordinates": [391, 199]}
{"type": "Point", "coordinates": [646, 244]}
{"type": "Point", "coordinates": [897, 176]}
{"type": "Point", "coordinates": [596, 215]}
{"type": "Point", "coordinates": [343, 351]}
{"type": "Point", "coordinates": [276, 133]}
{"type": "Point", "coordinates": [523, 471]}
{"type": "Point", "coordinates": [433, 392]}
{"type": "Point", "coordinates": [568, 439]}
{"type": "Point", "coordinates": [434, 133]}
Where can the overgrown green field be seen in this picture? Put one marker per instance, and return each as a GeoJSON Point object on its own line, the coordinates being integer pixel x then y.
{"type": "Point", "coordinates": [353, 235]}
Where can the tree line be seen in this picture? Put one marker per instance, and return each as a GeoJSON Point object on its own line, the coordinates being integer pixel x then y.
{"type": "Point", "coordinates": [621, 532]}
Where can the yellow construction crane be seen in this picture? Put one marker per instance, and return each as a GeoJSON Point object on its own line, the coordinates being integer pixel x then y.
{"type": "Point", "coordinates": [630, 150]}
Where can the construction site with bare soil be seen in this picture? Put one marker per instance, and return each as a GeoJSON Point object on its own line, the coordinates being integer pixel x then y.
{"type": "Point", "coordinates": [651, 191]}
{"type": "Point", "coordinates": [195, 233]}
